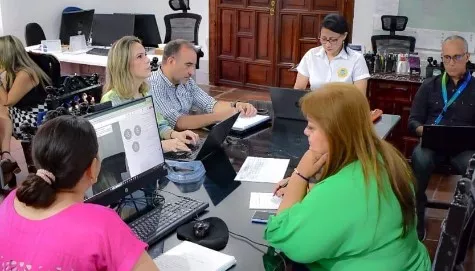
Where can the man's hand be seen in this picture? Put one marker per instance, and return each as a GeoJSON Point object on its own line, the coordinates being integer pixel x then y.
{"type": "Point", "coordinates": [187, 137]}
{"type": "Point", "coordinates": [174, 145]}
{"type": "Point", "coordinates": [419, 131]}
{"type": "Point", "coordinates": [246, 109]}
{"type": "Point", "coordinates": [311, 163]}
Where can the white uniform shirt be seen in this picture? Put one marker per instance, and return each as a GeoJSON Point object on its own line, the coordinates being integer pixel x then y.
{"type": "Point", "coordinates": [345, 67]}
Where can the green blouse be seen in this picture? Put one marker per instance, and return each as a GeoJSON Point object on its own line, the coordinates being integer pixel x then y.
{"type": "Point", "coordinates": [342, 225]}
{"type": "Point", "coordinates": [163, 126]}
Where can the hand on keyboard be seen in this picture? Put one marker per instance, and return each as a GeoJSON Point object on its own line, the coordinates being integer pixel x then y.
{"type": "Point", "coordinates": [174, 145]}
{"type": "Point", "coordinates": [187, 137]}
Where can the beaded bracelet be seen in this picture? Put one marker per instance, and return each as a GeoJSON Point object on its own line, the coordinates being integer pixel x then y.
{"type": "Point", "coordinates": [301, 176]}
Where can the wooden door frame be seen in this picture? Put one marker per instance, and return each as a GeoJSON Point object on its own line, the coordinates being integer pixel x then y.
{"type": "Point", "coordinates": [349, 10]}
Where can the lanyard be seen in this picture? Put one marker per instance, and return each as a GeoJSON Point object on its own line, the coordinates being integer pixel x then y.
{"type": "Point", "coordinates": [454, 97]}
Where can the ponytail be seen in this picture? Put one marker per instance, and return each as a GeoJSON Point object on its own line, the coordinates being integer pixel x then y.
{"type": "Point", "coordinates": [36, 192]}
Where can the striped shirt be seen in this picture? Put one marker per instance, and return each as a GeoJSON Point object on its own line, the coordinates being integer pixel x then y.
{"type": "Point", "coordinates": [175, 101]}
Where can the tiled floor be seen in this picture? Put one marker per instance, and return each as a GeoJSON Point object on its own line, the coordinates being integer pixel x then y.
{"type": "Point", "coordinates": [440, 187]}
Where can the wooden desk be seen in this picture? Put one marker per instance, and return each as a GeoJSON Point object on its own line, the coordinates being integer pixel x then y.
{"type": "Point", "coordinates": [394, 94]}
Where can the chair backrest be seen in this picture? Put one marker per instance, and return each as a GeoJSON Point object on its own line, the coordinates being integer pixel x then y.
{"type": "Point", "coordinates": [71, 9]}
{"type": "Point", "coordinates": [50, 65]}
{"type": "Point", "coordinates": [456, 229]}
{"type": "Point", "coordinates": [393, 44]}
{"type": "Point", "coordinates": [182, 26]}
{"type": "Point", "coordinates": [34, 34]}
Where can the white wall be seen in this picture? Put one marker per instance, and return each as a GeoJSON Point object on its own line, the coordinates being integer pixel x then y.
{"type": "Point", "coordinates": [16, 14]}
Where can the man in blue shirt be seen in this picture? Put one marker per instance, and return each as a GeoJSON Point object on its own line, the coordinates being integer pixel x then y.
{"type": "Point", "coordinates": [175, 93]}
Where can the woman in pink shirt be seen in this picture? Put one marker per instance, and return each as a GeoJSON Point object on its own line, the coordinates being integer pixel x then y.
{"type": "Point", "coordinates": [44, 225]}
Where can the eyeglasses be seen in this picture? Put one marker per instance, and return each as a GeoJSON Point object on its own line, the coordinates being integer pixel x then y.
{"type": "Point", "coordinates": [455, 58]}
{"type": "Point", "coordinates": [332, 41]}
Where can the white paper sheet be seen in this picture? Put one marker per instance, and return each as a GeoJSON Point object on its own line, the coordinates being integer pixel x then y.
{"type": "Point", "coordinates": [262, 170]}
{"type": "Point", "coordinates": [192, 257]}
{"type": "Point", "coordinates": [243, 123]}
{"type": "Point", "coordinates": [266, 201]}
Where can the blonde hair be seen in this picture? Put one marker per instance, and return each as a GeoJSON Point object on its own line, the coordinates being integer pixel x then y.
{"type": "Point", "coordinates": [343, 113]}
{"type": "Point", "coordinates": [14, 58]}
{"type": "Point", "coordinates": [118, 75]}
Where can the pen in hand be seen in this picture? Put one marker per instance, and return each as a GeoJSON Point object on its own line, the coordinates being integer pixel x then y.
{"type": "Point", "coordinates": [280, 187]}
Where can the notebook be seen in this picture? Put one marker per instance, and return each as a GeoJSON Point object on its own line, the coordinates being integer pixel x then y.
{"type": "Point", "coordinates": [193, 257]}
{"type": "Point", "coordinates": [244, 123]}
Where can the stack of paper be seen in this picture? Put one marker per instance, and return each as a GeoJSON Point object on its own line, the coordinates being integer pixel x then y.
{"type": "Point", "coordinates": [266, 170]}
{"type": "Point", "coordinates": [193, 257]}
{"type": "Point", "coordinates": [264, 201]}
{"type": "Point", "coordinates": [244, 123]}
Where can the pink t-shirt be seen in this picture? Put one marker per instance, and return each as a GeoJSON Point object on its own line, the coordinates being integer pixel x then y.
{"type": "Point", "coordinates": [81, 237]}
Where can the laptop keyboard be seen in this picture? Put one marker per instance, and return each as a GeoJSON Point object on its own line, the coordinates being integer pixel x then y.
{"type": "Point", "coordinates": [162, 220]}
{"type": "Point", "coordinates": [98, 51]}
{"type": "Point", "coordinates": [195, 149]}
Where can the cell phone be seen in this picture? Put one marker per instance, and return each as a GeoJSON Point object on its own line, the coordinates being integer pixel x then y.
{"type": "Point", "coordinates": [261, 216]}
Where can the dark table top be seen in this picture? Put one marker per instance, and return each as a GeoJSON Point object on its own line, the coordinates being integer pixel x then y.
{"type": "Point", "coordinates": [229, 199]}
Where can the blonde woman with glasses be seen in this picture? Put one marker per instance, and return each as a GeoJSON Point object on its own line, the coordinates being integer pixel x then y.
{"type": "Point", "coordinates": [22, 97]}
{"type": "Point", "coordinates": [333, 61]}
{"type": "Point", "coordinates": [128, 68]}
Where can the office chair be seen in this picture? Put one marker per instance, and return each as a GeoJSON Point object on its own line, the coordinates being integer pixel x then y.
{"type": "Point", "coordinates": [393, 43]}
{"type": "Point", "coordinates": [71, 9]}
{"type": "Point", "coordinates": [457, 227]}
{"type": "Point", "coordinates": [182, 26]}
{"type": "Point", "coordinates": [34, 34]}
{"type": "Point", "coordinates": [183, 5]}
{"type": "Point", "coordinates": [49, 64]}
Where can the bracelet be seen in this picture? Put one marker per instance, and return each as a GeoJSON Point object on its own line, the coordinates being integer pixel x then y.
{"type": "Point", "coordinates": [301, 176]}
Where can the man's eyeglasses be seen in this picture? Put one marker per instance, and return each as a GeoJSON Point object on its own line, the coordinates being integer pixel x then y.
{"type": "Point", "coordinates": [455, 58]}
{"type": "Point", "coordinates": [332, 41]}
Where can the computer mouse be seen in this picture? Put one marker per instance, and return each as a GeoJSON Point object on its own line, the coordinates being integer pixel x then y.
{"type": "Point", "coordinates": [201, 229]}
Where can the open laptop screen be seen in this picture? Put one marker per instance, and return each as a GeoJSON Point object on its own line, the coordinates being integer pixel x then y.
{"type": "Point", "coordinates": [129, 143]}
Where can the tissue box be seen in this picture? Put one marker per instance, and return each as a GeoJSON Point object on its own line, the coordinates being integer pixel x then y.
{"type": "Point", "coordinates": [187, 176]}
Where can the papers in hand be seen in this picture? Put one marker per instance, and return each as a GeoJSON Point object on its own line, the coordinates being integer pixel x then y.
{"type": "Point", "coordinates": [263, 170]}
{"type": "Point", "coordinates": [243, 123]}
{"type": "Point", "coordinates": [264, 201]}
{"type": "Point", "coordinates": [193, 257]}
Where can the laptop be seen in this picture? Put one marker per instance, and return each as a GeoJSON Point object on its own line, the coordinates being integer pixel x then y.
{"type": "Point", "coordinates": [132, 162]}
{"type": "Point", "coordinates": [286, 103]}
{"type": "Point", "coordinates": [213, 141]}
{"type": "Point", "coordinates": [448, 139]}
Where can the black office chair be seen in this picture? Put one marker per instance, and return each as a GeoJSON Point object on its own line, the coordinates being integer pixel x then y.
{"type": "Point", "coordinates": [50, 65]}
{"type": "Point", "coordinates": [183, 5]}
{"type": "Point", "coordinates": [393, 43]}
{"type": "Point", "coordinates": [457, 227]}
{"type": "Point", "coordinates": [34, 34]}
{"type": "Point", "coordinates": [182, 26]}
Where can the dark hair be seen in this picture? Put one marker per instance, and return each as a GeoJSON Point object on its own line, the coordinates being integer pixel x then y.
{"type": "Point", "coordinates": [337, 23]}
{"type": "Point", "coordinates": [64, 146]}
{"type": "Point", "coordinates": [174, 46]}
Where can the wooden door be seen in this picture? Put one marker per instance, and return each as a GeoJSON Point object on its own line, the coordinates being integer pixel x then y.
{"type": "Point", "coordinates": [255, 43]}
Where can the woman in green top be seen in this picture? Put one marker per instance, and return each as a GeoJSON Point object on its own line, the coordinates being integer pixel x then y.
{"type": "Point", "coordinates": [128, 68]}
{"type": "Point", "coordinates": [360, 215]}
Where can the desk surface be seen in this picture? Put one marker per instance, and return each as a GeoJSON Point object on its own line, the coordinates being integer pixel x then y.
{"type": "Point", "coordinates": [81, 58]}
{"type": "Point", "coordinates": [229, 199]}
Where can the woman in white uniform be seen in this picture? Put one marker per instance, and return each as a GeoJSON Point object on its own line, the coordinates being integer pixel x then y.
{"type": "Point", "coordinates": [333, 61]}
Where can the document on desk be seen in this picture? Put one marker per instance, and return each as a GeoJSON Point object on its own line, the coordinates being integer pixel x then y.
{"type": "Point", "coordinates": [193, 257]}
{"type": "Point", "coordinates": [262, 170]}
{"type": "Point", "coordinates": [266, 201]}
{"type": "Point", "coordinates": [243, 123]}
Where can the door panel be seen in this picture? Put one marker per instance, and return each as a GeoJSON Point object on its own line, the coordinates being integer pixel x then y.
{"type": "Point", "coordinates": [254, 43]}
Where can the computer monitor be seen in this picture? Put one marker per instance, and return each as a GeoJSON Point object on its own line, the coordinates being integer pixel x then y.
{"type": "Point", "coordinates": [129, 149]}
{"type": "Point", "coordinates": [146, 29]}
{"type": "Point", "coordinates": [75, 23]}
{"type": "Point", "coordinates": [107, 28]}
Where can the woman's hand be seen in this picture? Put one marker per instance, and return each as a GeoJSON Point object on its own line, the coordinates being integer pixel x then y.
{"type": "Point", "coordinates": [279, 189]}
{"type": "Point", "coordinates": [311, 163]}
{"type": "Point", "coordinates": [174, 145]}
{"type": "Point", "coordinates": [187, 137]}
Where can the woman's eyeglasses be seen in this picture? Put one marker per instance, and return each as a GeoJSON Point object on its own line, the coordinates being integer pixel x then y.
{"type": "Point", "coordinates": [332, 41]}
{"type": "Point", "coordinates": [455, 58]}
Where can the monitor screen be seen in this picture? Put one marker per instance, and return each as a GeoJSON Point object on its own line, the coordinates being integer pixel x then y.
{"type": "Point", "coordinates": [129, 143]}
{"type": "Point", "coordinates": [107, 28]}
{"type": "Point", "coordinates": [76, 23]}
{"type": "Point", "coordinates": [146, 29]}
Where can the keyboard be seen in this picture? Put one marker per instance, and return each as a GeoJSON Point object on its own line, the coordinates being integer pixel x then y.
{"type": "Point", "coordinates": [159, 222]}
{"type": "Point", "coordinates": [98, 51]}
